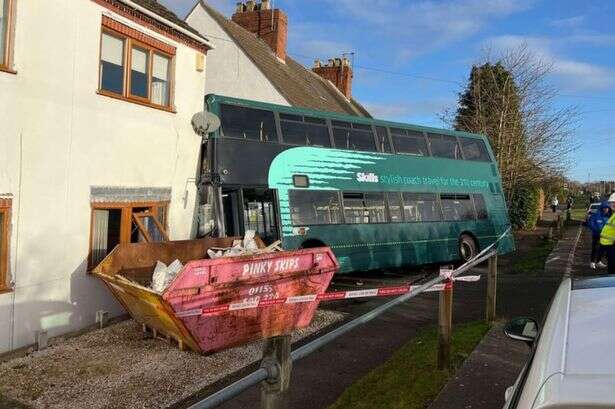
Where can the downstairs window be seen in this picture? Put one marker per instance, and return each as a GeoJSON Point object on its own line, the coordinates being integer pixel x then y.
{"type": "Point", "coordinates": [117, 223]}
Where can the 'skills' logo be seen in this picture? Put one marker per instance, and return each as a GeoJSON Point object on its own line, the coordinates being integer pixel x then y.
{"type": "Point", "coordinates": [367, 177]}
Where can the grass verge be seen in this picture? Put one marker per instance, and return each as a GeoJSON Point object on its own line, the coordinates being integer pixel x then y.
{"type": "Point", "coordinates": [410, 379]}
{"type": "Point", "coordinates": [533, 262]}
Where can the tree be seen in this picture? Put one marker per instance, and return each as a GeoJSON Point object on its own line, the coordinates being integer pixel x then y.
{"type": "Point", "coordinates": [510, 100]}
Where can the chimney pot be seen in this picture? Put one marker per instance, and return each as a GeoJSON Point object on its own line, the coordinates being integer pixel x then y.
{"type": "Point", "coordinates": [271, 26]}
{"type": "Point", "coordinates": [338, 71]}
{"type": "Point", "coordinates": [239, 8]}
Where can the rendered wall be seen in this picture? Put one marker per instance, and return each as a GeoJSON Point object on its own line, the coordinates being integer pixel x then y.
{"type": "Point", "coordinates": [58, 138]}
{"type": "Point", "coordinates": [229, 70]}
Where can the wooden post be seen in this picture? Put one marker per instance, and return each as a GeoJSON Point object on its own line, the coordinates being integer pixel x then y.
{"type": "Point", "coordinates": [492, 288]}
{"type": "Point", "coordinates": [445, 326]}
{"type": "Point", "coordinates": [274, 393]}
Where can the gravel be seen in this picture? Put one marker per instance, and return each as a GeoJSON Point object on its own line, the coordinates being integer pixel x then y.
{"type": "Point", "coordinates": [116, 368]}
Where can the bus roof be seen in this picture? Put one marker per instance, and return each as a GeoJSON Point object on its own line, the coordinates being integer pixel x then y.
{"type": "Point", "coordinates": [213, 98]}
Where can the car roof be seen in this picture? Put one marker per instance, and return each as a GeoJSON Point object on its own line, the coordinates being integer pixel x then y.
{"type": "Point", "coordinates": [574, 364]}
{"type": "Point", "coordinates": [591, 329]}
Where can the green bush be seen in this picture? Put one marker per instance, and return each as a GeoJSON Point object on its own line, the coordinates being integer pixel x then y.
{"type": "Point", "coordinates": [526, 206]}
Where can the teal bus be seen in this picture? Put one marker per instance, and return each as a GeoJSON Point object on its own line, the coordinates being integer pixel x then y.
{"type": "Point", "coordinates": [380, 194]}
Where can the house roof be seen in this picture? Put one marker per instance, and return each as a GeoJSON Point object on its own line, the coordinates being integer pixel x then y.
{"type": "Point", "coordinates": [162, 11]}
{"type": "Point", "coordinates": [298, 85]}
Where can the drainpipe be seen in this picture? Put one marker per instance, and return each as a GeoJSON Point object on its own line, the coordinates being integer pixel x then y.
{"type": "Point", "coordinates": [167, 22]}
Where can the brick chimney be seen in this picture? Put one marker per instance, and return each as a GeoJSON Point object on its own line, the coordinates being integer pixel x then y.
{"type": "Point", "coordinates": [338, 71]}
{"type": "Point", "coordinates": [269, 25]}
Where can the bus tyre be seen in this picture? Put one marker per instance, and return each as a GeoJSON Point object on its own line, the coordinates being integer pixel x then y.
{"type": "Point", "coordinates": [467, 247]}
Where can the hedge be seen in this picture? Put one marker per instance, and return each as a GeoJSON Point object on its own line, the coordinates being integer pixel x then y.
{"type": "Point", "coordinates": [526, 206]}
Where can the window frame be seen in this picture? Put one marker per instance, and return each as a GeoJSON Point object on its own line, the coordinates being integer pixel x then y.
{"type": "Point", "coordinates": [324, 125]}
{"type": "Point", "coordinates": [129, 44]}
{"type": "Point", "coordinates": [5, 247]}
{"type": "Point", "coordinates": [6, 64]}
{"type": "Point", "coordinates": [339, 202]}
{"type": "Point", "coordinates": [127, 220]}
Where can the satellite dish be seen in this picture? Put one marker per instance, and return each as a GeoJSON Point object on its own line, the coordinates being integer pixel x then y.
{"type": "Point", "coordinates": [205, 122]}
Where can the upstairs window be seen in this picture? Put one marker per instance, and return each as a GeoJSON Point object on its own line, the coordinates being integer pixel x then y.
{"type": "Point", "coordinates": [304, 130]}
{"type": "Point", "coordinates": [409, 142]}
{"type": "Point", "coordinates": [444, 146]}
{"type": "Point", "coordinates": [135, 71]}
{"type": "Point", "coordinates": [5, 216]}
{"type": "Point", "coordinates": [5, 32]}
{"type": "Point", "coordinates": [248, 123]}
{"type": "Point", "coordinates": [383, 140]}
{"type": "Point", "coordinates": [353, 136]}
{"type": "Point", "coordinates": [474, 149]}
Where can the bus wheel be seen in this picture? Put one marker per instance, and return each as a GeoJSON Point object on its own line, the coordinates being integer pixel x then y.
{"type": "Point", "coordinates": [467, 247]}
{"type": "Point", "coordinates": [312, 243]}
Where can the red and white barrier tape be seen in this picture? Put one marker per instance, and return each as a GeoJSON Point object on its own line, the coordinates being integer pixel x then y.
{"type": "Point", "coordinates": [330, 296]}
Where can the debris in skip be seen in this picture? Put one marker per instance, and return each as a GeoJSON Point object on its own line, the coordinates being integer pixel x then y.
{"type": "Point", "coordinates": [244, 247]}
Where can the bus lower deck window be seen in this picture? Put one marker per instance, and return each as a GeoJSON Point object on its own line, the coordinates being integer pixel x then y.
{"type": "Point", "coordinates": [395, 207]}
{"type": "Point", "coordinates": [457, 207]}
{"type": "Point", "coordinates": [313, 207]}
{"type": "Point", "coordinates": [421, 207]}
{"type": "Point", "coordinates": [481, 207]}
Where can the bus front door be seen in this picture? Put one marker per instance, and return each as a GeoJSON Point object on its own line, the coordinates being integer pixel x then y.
{"type": "Point", "coordinates": [250, 209]}
{"type": "Point", "coordinates": [259, 213]}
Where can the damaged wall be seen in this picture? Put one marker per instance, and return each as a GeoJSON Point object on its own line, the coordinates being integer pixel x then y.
{"type": "Point", "coordinates": [59, 138]}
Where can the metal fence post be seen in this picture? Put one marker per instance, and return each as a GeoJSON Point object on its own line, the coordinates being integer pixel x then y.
{"type": "Point", "coordinates": [492, 287]}
{"type": "Point", "coordinates": [445, 325]}
{"type": "Point", "coordinates": [276, 358]}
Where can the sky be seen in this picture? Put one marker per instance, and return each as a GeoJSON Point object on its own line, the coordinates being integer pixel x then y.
{"type": "Point", "coordinates": [412, 58]}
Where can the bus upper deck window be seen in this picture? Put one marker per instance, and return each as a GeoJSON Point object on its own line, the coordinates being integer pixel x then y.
{"type": "Point", "coordinates": [383, 140]}
{"type": "Point", "coordinates": [474, 149]}
{"type": "Point", "coordinates": [248, 123]}
{"type": "Point", "coordinates": [301, 181]}
{"type": "Point", "coordinates": [444, 146]}
{"type": "Point", "coordinates": [299, 130]}
{"type": "Point", "coordinates": [353, 136]}
{"type": "Point", "coordinates": [409, 142]}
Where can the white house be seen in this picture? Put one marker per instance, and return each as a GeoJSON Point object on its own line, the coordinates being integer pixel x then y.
{"type": "Point", "coordinates": [96, 98]}
{"type": "Point", "coordinates": [251, 61]}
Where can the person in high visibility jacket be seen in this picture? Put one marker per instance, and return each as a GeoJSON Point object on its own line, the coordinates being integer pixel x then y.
{"type": "Point", "coordinates": [607, 237]}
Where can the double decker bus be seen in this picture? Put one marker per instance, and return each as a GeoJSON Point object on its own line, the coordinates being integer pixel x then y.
{"type": "Point", "coordinates": [380, 194]}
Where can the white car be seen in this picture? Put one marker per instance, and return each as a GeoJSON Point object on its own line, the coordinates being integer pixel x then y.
{"type": "Point", "coordinates": [593, 208]}
{"type": "Point", "coordinates": [572, 363]}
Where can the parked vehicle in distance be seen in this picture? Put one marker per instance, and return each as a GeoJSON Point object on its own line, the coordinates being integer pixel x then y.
{"type": "Point", "coordinates": [571, 364]}
{"type": "Point", "coordinates": [593, 208]}
{"type": "Point", "coordinates": [380, 194]}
